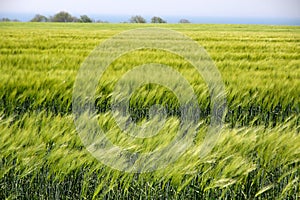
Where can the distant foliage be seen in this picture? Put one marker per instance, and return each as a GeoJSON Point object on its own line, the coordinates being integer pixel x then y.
{"type": "Point", "coordinates": [184, 21]}
{"type": "Point", "coordinates": [137, 19]}
{"type": "Point", "coordinates": [5, 19]}
{"type": "Point", "coordinates": [63, 16]}
{"type": "Point", "coordinates": [39, 18]}
{"type": "Point", "coordinates": [157, 20]}
{"type": "Point", "coordinates": [85, 19]}
{"type": "Point", "coordinates": [101, 21]}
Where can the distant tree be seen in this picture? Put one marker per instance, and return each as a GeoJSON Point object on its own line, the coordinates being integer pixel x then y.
{"type": "Point", "coordinates": [85, 19]}
{"type": "Point", "coordinates": [157, 20]}
{"type": "Point", "coordinates": [100, 21]}
{"type": "Point", "coordinates": [39, 18]}
{"type": "Point", "coordinates": [50, 19]}
{"type": "Point", "coordinates": [63, 16]}
{"type": "Point", "coordinates": [75, 19]}
{"type": "Point", "coordinates": [184, 21]}
{"type": "Point", "coordinates": [5, 19]}
{"type": "Point", "coordinates": [137, 19]}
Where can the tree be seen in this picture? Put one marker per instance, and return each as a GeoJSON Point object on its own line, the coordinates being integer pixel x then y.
{"type": "Point", "coordinates": [39, 18]}
{"type": "Point", "coordinates": [157, 20]}
{"type": "Point", "coordinates": [137, 19]}
{"type": "Point", "coordinates": [85, 19]}
{"type": "Point", "coordinates": [5, 19]}
{"type": "Point", "coordinates": [75, 19]}
{"type": "Point", "coordinates": [184, 21]}
{"type": "Point", "coordinates": [63, 16]}
{"type": "Point", "coordinates": [100, 21]}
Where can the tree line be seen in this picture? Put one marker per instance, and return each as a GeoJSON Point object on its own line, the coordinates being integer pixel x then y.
{"type": "Point", "coordinates": [5, 19]}
{"type": "Point", "coordinates": [63, 16]}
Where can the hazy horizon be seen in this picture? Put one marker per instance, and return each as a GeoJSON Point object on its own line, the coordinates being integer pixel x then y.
{"type": "Point", "coordinates": [25, 17]}
{"type": "Point", "coordinates": [214, 11]}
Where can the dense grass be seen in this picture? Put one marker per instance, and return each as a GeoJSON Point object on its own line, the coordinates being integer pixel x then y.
{"type": "Point", "coordinates": [257, 155]}
{"type": "Point", "coordinates": [264, 65]}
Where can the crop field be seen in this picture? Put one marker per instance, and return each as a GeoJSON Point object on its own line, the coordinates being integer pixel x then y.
{"type": "Point", "coordinates": [256, 156]}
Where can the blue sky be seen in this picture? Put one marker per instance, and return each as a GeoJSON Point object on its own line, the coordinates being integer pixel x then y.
{"type": "Point", "coordinates": [207, 8]}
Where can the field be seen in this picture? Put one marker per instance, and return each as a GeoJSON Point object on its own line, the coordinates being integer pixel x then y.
{"type": "Point", "coordinates": [257, 155]}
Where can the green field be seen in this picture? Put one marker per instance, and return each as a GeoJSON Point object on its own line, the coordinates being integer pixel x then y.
{"type": "Point", "coordinates": [256, 157]}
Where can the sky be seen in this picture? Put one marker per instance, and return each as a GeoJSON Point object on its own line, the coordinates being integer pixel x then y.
{"type": "Point", "coordinates": [284, 9]}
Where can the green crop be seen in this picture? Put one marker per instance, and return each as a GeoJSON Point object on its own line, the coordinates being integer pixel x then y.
{"type": "Point", "coordinates": [257, 153]}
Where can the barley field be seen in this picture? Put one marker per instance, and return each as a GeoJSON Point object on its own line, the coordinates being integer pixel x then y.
{"type": "Point", "coordinates": [257, 155]}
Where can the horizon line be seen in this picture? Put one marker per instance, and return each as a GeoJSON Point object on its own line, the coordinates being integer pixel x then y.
{"type": "Point", "coordinates": [121, 18]}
